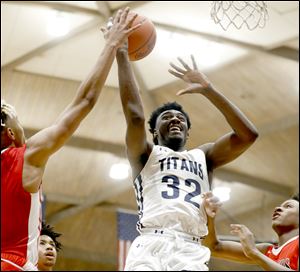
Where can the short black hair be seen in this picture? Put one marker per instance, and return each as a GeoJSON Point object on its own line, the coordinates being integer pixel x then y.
{"type": "Point", "coordinates": [3, 117]}
{"type": "Point", "coordinates": [48, 230]}
{"type": "Point", "coordinates": [295, 197]}
{"type": "Point", "coordinates": [167, 106]}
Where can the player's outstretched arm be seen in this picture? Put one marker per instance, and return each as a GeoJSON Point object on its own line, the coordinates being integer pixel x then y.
{"type": "Point", "coordinates": [138, 149]}
{"type": "Point", "coordinates": [47, 141]}
{"type": "Point", "coordinates": [255, 252]}
{"type": "Point", "coordinates": [243, 134]}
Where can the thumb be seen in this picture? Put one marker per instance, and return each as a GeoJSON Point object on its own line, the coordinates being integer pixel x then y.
{"type": "Point", "coordinates": [207, 195]}
{"type": "Point", "coordinates": [103, 30]}
{"type": "Point", "coordinates": [193, 88]}
{"type": "Point", "coordinates": [183, 91]}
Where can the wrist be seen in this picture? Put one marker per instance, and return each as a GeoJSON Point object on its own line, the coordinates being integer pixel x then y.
{"type": "Point", "coordinates": [209, 87]}
{"type": "Point", "coordinates": [254, 254]}
{"type": "Point", "coordinates": [110, 46]}
{"type": "Point", "coordinates": [122, 53]}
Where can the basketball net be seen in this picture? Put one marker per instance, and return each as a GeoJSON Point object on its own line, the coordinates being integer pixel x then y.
{"type": "Point", "coordinates": [238, 13]}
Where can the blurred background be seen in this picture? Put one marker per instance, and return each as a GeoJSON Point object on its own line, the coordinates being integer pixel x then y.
{"type": "Point", "coordinates": [49, 47]}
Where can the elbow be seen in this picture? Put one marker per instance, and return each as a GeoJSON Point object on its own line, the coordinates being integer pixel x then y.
{"type": "Point", "coordinates": [137, 120]}
{"type": "Point", "coordinates": [252, 135]}
{"type": "Point", "coordinates": [135, 115]}
{"type": "Point", "coordinates": [249, 136]}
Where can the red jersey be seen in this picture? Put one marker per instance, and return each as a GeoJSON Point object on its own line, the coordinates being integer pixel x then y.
{"type": "Point", "coordinates": [287, 255]}
{"type": "Point", "coordinates": [20, 210]}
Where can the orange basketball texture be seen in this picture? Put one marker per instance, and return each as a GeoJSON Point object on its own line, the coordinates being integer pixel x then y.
{"type": "Point", "coordinates": [142, 41]}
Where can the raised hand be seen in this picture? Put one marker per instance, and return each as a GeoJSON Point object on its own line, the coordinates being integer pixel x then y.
{"type": "Point", "coordinates": [246, 238]}
{"type": "Point", "coordinates": [211, 204]}
{"type": "Point", "coordinates": [119, 28]}
{"type": "Point", "coordinates": [197, 81]}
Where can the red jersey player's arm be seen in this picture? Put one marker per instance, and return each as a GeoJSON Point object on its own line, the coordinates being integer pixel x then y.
{"type": "Point", "coordinates": [268, 264]}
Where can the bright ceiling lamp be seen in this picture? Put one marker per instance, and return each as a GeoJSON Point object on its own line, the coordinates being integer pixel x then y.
{"type": "Point", "coordinates": [58, 24]}
{"type": "Point", "coordinates": [119, 171]}
{"type": "Point", "coordinates": [174, 44]}
{"type": "Point", "coordinates": [223, 193]}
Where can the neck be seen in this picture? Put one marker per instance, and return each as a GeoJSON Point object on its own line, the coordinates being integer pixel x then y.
{"type": "Point", "coordinates": [45, 268]}
{"type": "Point", "coordinates": [284, 237]}
{"type": "Point", "coordinates": [174, 144]}
{"type": "Point", "coordinates": [6, 146]}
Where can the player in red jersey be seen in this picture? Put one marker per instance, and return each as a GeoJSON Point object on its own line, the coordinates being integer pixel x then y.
{"type": "Point", "coordinates": [282, 257]}
{"type": "Point", "coordinates": [23, 161]}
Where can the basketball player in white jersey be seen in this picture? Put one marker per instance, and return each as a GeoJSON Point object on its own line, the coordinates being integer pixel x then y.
{"type": "Point", "coordinates": [169, 179]}
{"type": "Point", "coordinates": [23, 161]}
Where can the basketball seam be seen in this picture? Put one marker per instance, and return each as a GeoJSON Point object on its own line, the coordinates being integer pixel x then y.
{"type": "Point", "coordinates": [142, 44]}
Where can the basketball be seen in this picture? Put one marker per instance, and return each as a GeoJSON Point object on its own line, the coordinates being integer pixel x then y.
{"type": "Point", "coordinates": [142, 41]}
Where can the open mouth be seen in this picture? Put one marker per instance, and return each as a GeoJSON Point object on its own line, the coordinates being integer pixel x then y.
{"type": "Point", "coordinates": [175, 128]}
{"type": "Point", "coordinates": [49, 254]}
{"type": "Point", "coordinates": [275, 215]}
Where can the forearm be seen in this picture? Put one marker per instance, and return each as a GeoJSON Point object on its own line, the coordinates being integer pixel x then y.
{"type": "Point", "coordinates": [211, 240]}
{"type": "Point", "coordinates": [226, 250]}
{"type": "Point", "coordinates": [266, 263]}
{"type": "Point", "coordinates": [91, 87]}
{"type": "Point", "coordinates": [129, 92]}
{"type": "Point", "coordinates": [236, 119]}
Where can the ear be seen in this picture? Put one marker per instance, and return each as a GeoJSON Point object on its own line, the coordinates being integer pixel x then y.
{"type": "Point", "coordinates": [155, 133]}
{"type": "Point", "coordinates": [10, 134]}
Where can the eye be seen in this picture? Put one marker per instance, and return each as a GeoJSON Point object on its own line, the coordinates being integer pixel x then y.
{"type": "Point", "coordinates": [165, 117]}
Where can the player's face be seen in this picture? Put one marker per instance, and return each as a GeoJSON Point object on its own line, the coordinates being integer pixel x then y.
{"type": "Point", "coordinates": [171, 125]}
{"type": "Point", "coordinates": [287, 214]}
{"type": "Point", "coordinates": [47, 253]}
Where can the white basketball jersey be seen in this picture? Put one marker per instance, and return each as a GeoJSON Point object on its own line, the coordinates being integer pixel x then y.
{"type": "Point", "coordinates": [169, 188]}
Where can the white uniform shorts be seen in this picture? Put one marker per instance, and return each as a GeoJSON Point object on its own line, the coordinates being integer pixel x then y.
{"type": "Point", "coordinates": [165, 250]}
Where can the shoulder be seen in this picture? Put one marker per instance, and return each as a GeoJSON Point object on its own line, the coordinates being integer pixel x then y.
{"type": "Point", "coordinates": [264, 247]}
{"type": "Point", "coordinates": [137, 163]}
{"type": "Point", "coordinates": [206, 147]}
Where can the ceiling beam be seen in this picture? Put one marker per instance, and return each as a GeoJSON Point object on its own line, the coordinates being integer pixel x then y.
{"type": "Point", "coordinates": [278, 125]}
{"type": "Point", "coordinates": [41, 49]}
{"type": "Point", "coordinates": [259, 183]}
{"type": "Point", "coordinates": [104, 9]}
{"type": "Point", "coordinates": [148, 99]}
{"type": "Point", "coordinates": [65, 199]}
{"type": "Point", "coordinates": [90, 201]}
{"type": "Point", "coordinates": [74, 8]}
{"type": "Point", "coordinates": [285, 52]}
{"type": "Point", "coordinates": [282, 51]}
{"type": "Point", "coordinates": [132, 5]}
{"type": "Point", "coordinates": [88, 144]}
{"type": "Point", "coordinates": [57, 6]}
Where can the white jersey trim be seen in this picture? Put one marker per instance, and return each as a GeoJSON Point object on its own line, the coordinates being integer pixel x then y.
{"type": "Point", "coordinates": [277, 250]}
{"type": "Point", "coordinates": [2, 151]}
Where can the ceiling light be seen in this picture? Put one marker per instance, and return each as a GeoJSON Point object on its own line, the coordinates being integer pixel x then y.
{"type": "Point", "coordinates": [58, 24]}
{"type": "Point", "coordinates": [119, 171]}
{"type": "Point", "coordinates": [223, 193]}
